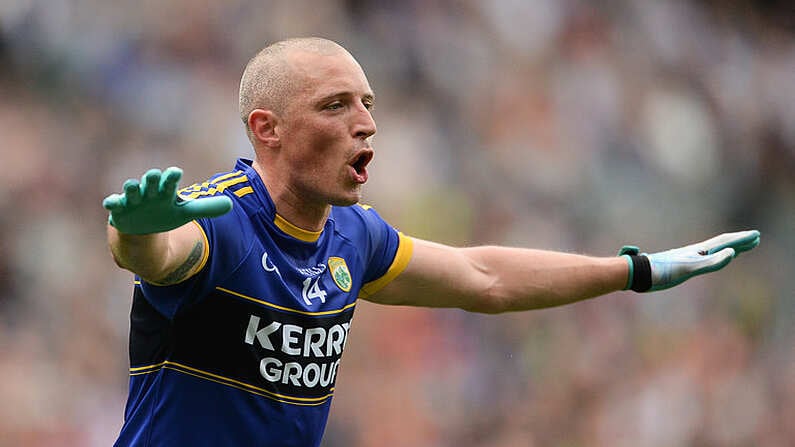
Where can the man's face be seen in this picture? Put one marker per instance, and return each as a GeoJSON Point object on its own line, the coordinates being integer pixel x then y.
{"type": "Point", "coordinates": [325, 129]}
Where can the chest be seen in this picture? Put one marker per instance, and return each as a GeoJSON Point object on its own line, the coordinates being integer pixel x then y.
{"type": "Point", "coordinates": [320, 277]}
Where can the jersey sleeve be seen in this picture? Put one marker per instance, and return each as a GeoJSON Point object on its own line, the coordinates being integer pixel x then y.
{"type": "Point", "coordinates": [225, 249]}
{"type": "Point", "coordinates": [387, 253]}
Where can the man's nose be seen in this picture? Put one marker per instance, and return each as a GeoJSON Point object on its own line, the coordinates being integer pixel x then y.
{"type": "Point", "coordinates": [364, 126]}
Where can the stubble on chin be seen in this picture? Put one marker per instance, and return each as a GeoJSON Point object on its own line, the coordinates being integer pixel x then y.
{"type": "Point", "coordinates": [352, 197]}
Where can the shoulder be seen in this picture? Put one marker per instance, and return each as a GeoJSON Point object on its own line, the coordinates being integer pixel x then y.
{"type": "Point", "coordinates": [358, 221]}
{"type": "Point", "coordinates": [231, 229]}
{"type": "Point", "coordinates": [234, 183]}
{"type": "Point", "coordinates": [381, 246]}
{"type": "Point", "coordinates": [358, 214]}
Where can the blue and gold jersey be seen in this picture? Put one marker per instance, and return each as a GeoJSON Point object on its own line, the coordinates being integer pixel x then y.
{"type": "Point", "coordinates": [246, 352]}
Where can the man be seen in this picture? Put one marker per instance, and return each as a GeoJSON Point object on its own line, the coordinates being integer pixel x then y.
{"type": "Point", "coordinates": [246, 284]}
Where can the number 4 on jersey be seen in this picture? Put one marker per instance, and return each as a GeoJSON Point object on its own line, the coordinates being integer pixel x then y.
{"type": "Point", "coordinates": [312, 290]}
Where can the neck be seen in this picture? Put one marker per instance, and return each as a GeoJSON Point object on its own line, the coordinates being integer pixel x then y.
{"type": "Point", "coordinates": [290, 206]}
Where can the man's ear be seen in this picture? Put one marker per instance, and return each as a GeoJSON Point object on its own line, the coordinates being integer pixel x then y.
{"type": "Point", "coordinates": [263, 127]}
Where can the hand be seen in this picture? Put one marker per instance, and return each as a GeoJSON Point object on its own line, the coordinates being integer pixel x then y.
{"type": "Point", "coordinates": [151, 205]}
{"type": "Point", "coordinates": [658, 271]}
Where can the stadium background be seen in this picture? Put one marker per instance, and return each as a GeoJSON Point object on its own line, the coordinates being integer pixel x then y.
{"type": "Point", "coordinates": [569, 125]}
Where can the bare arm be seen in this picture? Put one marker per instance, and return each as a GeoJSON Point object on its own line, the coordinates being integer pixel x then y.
{"type": "Point", "coordinates": [160, 258]}
{"type": "Point", "coordinates": [500, 279]}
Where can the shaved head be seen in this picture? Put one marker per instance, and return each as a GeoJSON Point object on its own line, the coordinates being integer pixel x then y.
{"type": "Point", "coordinates": [269, 78]}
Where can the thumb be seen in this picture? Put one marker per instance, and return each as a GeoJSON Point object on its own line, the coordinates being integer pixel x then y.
{"type": "Point", "coordinates": [209, 207]}
{"type": "Point", "coordinates": [113, 202]}
{"type": "Point", "coordinates": [716, 261]}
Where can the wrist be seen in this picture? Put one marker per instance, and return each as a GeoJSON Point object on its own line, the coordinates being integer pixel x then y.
{"type": "Point", "coordinates": [639, 274]}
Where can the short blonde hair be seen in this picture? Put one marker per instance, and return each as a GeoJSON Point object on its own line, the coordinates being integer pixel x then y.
{"type": "Point", "coordinates": [268, 79]}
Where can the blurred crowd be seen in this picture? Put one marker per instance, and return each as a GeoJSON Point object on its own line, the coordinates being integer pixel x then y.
{"type": "Point", "coordinates": [566, 125]}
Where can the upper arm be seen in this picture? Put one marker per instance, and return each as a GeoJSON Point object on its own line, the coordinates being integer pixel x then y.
{"type": "Point", "coordinates": [438, 275]}
{"type": "Point", "coordinates": [190, 250]}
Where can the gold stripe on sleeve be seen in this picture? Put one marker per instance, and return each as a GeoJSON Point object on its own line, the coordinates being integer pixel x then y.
{"type": "Point", "coordinates": [205, 253]}
{"type": "Point", "coordinates": [212, 188]}
{"type": "Point", "coordinates": [226, 176]}
{"type": "Point", "coordinates": [402, 258]}
{"type": "Point", "coordinates": [244, 191]}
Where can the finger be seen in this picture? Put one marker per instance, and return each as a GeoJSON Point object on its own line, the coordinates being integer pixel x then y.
{"type": "Point", "coordinates": [169, 181]}
{"type": "Point", "coordinates": [209, 207]}
{"type": "Point", "coordinates": [735, 240]}
{"type": "Point", "coordinates": [151, 183]}
{"type": "Point", "coordinates": [113, 202]}
{"type": "Point", "coordinates": [132, 192]}
{"type": "Point", "coordinates": [747, 246]}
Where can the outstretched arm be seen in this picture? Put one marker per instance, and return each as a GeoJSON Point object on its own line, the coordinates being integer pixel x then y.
{"type": "Point", "coordinates": [159, 258]}
{"type": "Point", "coordinates": [150, 231]}
{"type": "Point", "coordinates": [501, 279]}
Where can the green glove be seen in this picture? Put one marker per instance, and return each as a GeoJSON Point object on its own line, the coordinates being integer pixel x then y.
{"type": "Point", "coordinates": [152, 206]}
{"type": "Point", "coordinates": [658, 271]}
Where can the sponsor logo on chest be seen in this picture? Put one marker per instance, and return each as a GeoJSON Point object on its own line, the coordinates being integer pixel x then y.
{"type": "Point", "coordinates": [297, 356]}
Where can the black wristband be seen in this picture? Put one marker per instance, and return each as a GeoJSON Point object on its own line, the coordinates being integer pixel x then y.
{"type": "Point", "coordinates": [641, 275]}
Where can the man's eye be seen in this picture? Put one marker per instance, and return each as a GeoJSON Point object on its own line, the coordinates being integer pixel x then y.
{"type": "Point", "coordinates": [334, 105]}
{"type": "Point", "coordinates": [368, 105]}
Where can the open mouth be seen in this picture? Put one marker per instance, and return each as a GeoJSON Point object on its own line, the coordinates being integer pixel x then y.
{"type": "Point", "coordinates": [359, 165]}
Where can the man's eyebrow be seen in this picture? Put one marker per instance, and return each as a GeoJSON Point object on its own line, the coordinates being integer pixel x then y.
{"type": "Point", "coordinates": [370, 96]}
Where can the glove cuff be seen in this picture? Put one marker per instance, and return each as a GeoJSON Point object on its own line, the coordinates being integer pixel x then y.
{"type": "Point", "coordinates": [631, 273]}
{"type": "Point", "coordinates": [639, 273]}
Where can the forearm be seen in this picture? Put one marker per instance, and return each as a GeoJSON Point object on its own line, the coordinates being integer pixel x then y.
{"type": "Point", "coordinates": [143, 254]}
{"type": "Point", "coordinates": [160, 258]}
{"type": "Point", "coordinates": [523, 279]}
{"type": "Point", "coordinates": [503, 279]}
